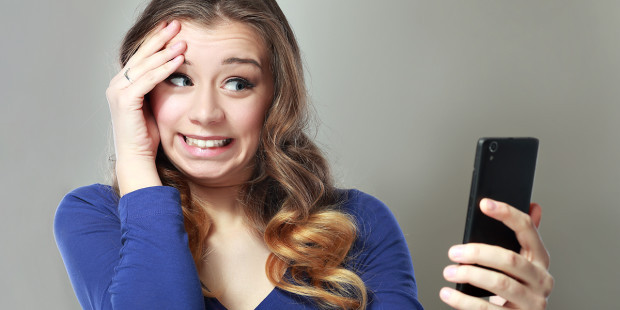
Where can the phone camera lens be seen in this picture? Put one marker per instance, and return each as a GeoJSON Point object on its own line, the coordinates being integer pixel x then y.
{"type": "Point", "coordinates": [493, 147]}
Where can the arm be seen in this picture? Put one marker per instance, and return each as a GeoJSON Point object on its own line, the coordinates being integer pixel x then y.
{"type": "Point", "coordinates": [136, 137]}
{"type": "Point", "coordinates": [133, 258]}
{"type": "Point", "coordinates": [131, 253]}
{"type": "Point", "coordinates": [381, 256]}
{"type": "Point", "coordinates": [525, 282]}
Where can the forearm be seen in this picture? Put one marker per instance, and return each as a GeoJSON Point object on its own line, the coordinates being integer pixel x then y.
{"type": "Point", "coordinates": [156, 266]}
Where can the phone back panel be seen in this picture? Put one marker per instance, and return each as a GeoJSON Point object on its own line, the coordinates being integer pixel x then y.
{"type": "Point", "coordinates": [503, 171]}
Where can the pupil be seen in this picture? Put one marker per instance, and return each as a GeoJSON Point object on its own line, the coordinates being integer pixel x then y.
{"type": "Point", "coordinates": [240, 86]}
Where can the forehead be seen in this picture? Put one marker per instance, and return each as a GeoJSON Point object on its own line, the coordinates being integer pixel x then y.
{"type": "Point", "coordinates": [224, 39]}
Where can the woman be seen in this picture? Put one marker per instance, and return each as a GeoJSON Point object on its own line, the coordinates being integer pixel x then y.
{"type": "Point", "coordinates": [220, 198]}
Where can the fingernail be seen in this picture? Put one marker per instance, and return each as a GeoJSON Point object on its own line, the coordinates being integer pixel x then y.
{"type": "Point", "coordinates": [490, 204]}
{"type": "Point", "coordinates": [445, 293]}
{"type": "Point", "coordinates": [177, 45]}
{"type": "Point", "coordinates": [170, 24]}
{"type": "Point", "coordinates": [456, 251]}
{"type": "Point", "coordinates": [449, 272]}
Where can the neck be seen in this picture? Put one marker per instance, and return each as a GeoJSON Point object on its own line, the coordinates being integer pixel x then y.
{"type": "Point", "coordinates": [221, 205]}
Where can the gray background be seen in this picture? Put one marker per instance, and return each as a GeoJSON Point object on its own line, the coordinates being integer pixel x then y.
{"type": "Point", "coordinates": [402, 90]}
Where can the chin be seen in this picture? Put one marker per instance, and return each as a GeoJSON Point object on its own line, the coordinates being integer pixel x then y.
{"type": "Point", "coordinates": [217, 177]}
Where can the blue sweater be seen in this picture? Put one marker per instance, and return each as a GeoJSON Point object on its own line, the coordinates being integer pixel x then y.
{"type": "Point", "coordinates": [132, 253]}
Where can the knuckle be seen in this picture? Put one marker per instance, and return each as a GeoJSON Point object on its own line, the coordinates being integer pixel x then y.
{"type": "Point", "coordinates": [483, 306]}
{"type": "Point", "coordinates": [546, 258]}
{"type": "Point", "coordinates": [548, 285]}
{"type": "Point", "coordinates": [512, 260]}
{"type": "Point", "coordinates": [110, 94]}
{"type": "Point", "coordinates": [162, 37]}
{"type": "Point", "coordinates": [150, 77]}
{"type": "Point", "coordinates": [172, 64]}
{"type": "Point", "coordinates": [455, 299]}
{"type": "Point", "coordinates": [470, 253]}
{"type": "Point", "coordinates": [112, 85]}
{"type": "Point", "coordinates": [519, 290]}
{"type": "Point", "coordinates": [463, 272]}
{"type": "Point", "coordinates": [540, 303]}
{"type": "Point", "coordinates": [502, 284]}
{"type": "Point", "coordinates": [171, 51]}
{"type": "Point", "coordinates": [526, 221]}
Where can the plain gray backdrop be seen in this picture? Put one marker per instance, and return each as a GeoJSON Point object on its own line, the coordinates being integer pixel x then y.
{"type": "Point", "coordinates": [402, 91]}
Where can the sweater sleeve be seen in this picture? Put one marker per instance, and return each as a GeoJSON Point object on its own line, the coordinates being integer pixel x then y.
{"type": "Point", "coordinates": [130, 253]}
{"type": "Point", "coordinates": [381, 256]}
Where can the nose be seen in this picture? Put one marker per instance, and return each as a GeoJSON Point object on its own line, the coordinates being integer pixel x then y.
{"type": "Point", "coordinates": [206, 109]}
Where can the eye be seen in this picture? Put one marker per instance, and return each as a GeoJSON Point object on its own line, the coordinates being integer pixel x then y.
{"type": "Point", "coordinates": [237, 84]}
{"type": "Point", "coordinates": [181, 80]}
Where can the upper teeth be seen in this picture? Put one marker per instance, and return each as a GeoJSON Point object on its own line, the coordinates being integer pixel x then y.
{"type": "Point", "coordinates": [205, 143]}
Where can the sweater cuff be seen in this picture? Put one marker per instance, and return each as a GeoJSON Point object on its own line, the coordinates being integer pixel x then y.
{"type": "Point", "coordinates": [150, 201]}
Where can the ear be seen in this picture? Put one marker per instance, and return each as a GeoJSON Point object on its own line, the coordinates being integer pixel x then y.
{"type": "Point", "coordinates": [535, 213]}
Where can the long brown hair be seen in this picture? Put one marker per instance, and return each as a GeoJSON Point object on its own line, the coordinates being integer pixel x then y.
{"type": "Point", "coordinates": [290, 198]}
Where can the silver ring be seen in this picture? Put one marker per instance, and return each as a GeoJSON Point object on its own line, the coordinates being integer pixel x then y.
{"type": "Point", "coordinates": [127, 76]}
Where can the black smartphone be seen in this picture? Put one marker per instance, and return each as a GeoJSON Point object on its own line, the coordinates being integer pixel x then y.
{"type": "Point", "coordinates": [503, 171]}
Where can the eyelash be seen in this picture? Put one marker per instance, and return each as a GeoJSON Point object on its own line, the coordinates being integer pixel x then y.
{"type": "Point", "coordinates": [246, 83]}
{"type": "Point", "coordinates": [179, 75]}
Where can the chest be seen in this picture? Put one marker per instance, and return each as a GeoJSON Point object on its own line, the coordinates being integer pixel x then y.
{"type": "Point", "coordinates": [234, 270]}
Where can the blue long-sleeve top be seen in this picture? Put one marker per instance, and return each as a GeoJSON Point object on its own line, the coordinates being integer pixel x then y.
{"type": "Point", "coordinates": [132, 253]}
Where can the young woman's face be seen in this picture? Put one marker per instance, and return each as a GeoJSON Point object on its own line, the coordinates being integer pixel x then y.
{"type": "Point", "coordinates": [211, 111]}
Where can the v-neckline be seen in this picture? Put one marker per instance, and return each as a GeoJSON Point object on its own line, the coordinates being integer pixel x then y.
{"type": "Point", "coordinates": [264, 303]}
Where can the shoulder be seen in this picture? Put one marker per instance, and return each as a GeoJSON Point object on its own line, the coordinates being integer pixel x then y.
{"type": "Point", "coordinates": [377, 228]}
{"type": "Point", "coordinates": [371, 214]}
{"type": "Point", "coordinates": [380, 254]}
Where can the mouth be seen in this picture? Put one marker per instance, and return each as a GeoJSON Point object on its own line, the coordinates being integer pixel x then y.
{"type": "Point", "coordinates": [207, 143]}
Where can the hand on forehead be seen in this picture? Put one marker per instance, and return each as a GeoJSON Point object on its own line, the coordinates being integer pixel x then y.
{"type": "Point", "coordinates": [231, 42]}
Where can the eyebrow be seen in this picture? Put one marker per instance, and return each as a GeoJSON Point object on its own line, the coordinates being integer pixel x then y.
{"type": "Point", "coordinates": [233, 60]}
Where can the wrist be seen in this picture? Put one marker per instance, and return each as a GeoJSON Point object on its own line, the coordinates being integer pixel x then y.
{"type": "Point", "coordinates": [134, 174]}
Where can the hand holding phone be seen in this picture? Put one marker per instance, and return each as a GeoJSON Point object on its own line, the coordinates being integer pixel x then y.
{"type": "Point", "coordinates": [490, 264]}
{"type": "Point", "coordinates": [503, 171]}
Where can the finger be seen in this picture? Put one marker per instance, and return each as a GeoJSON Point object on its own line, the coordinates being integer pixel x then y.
{"type": "Point", "coordinates": [492, 281]}
{"type": "Point", "coordinates": [119, 76]}
{"type": "Point", "coordinates": [498, 258]}
{"type": "Point", "coordinates": [522, 225]}
{"type": "Point", "coordinates": [149, 80]}
{"type": "Point", "coordinates": [154, 31]}
{"type": "Point", "coordinates": [535, 214]}
{"type": "Point", "coordinates": [156, 60]}
{"type": "Point", "coordinates": [497, 300]}
{"type": "Point", "coordinates": [459, 300]}
{"type": "Point", "coordinates": [155, 43]}
{"type": "Point", "coordinates": [151, 124]}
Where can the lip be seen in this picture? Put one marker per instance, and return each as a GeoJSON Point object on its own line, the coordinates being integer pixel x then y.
{"type": "Point", "coordinates": [211, 152]}
{"type": "Point", "coordinates": [205, 137]}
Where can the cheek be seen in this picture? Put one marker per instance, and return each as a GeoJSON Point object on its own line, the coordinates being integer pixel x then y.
{"type": "Point", "coordinates": [248, 126]}
{"type": "Point", "coordinates": [165, 110]}
{"type": "Point", "coordinates": [251, 120]}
